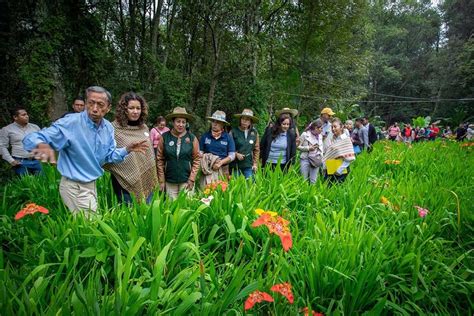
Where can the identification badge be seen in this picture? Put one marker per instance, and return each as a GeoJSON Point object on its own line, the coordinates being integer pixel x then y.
{"type": "Point", "coordinates": [207, 141]}
{"type": "Point", "coordinates": [251, 141]}
{"type": "Point", "coordinates": [171, 143]}
{"type": "Point", "coordinates": [146, 134]}
{"type": "Point", "coordinates": [187, 140]}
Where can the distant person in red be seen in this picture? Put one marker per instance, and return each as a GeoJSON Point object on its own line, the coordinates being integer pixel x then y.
{"type": "Point", "coordinates": [407, 134]}
{"type": "Point", "coordinates": [434, 131]}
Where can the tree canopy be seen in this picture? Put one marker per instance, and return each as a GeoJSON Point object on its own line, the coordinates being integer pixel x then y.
{"type": "Point", "coordinates": [396, 59]}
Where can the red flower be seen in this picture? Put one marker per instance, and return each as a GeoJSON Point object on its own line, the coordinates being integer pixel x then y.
{"type": "Point", "coordinates": [276, 225]}
{"type": "Point", "coordinates": [257, 297]}
{"type": "Point", "coordinates": [306, 311]}
{"type": "Point", "coordinates": [29, 209]}
{"type": "Point", "coordinates": [285, 290]}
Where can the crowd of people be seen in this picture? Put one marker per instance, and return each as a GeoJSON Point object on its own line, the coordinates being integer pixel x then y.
{"type": "Point", "coordinates": [410, 134]}
{"type": "Point", "coordinates": [169, 157]}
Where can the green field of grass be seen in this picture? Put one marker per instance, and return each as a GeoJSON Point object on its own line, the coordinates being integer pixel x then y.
{"type": "Point", "coordinates": [357, 248]}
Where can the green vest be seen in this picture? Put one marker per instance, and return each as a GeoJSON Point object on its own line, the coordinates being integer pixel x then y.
{"type": "Point", "coordinates": [178, 168]}
{"type": "Point", "coordinates": [244, 146]}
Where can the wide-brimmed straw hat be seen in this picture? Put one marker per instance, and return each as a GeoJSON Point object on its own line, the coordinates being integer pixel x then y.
{"type": "Point", "coordinates": [292, 112]}
{"type": "Point", "coordinates": [218, 116]}
{"type": "Point", "coordinates": [327, 111]}
{"type": "Point", "coordinates": [247, 113]}
{"type": "Point", "coordinates": [179, 112]}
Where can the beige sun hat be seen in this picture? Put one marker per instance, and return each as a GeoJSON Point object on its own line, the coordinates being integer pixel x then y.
{"type": "Point", "coordinates": [292, 112]}
{"type": "Point", "coordinates": [327, 111]}
{"type": "Point", "coordinates": [179, 112]}
{"type": "Point", "coordinates": [247, 113]}
{"type": "Point", "coordinates": [218, 116]}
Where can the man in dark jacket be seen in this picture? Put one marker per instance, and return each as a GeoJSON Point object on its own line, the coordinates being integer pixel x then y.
{"type": "Point", "coordinates": [372, 133]}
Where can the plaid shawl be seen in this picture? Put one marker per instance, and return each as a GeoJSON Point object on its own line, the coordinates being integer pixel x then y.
{"type": "Point", "coordinates": [339, 147]}
{"type": "Point", "coordinates": [137, 173]}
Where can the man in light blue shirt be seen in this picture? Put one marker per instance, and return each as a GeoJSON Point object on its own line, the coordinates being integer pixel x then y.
{"type": "Point", "coordinates": [325, 116]}
{"type": "Point", "coordinates": [85, 142]}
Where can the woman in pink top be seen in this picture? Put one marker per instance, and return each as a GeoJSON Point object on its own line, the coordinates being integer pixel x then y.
{"type": "Point", "coordinates": [393, 131]}
{"type": "Point", "coordinates": [159, 129]}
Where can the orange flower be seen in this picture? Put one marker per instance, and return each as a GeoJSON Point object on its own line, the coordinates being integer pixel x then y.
{"type": "Point", "coordinates": [392, 162]}
{"type": "Point", "coordinates": [285, 290]}
{"type": "Point", "coordinates": [264, 219]}
{"type": "Point", "coordinates": [306, 312]}
{"type": "Point", "coordinates": [211, 187]}
{"type": "Point", "coordinates": [384, 200]}
{"type": "Point", "coordinates": [29, 209]}
{"type": "Point", "coordinates": [257, 297]}
{"type": "Point", "coordinates": [276, 225]}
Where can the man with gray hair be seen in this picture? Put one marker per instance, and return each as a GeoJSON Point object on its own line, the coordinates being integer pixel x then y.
{"type": "Point", "coordinates": [85, 142]}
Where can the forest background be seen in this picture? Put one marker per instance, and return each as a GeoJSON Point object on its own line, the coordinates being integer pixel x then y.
{"type": "Point", "coordinates": [394, 59]}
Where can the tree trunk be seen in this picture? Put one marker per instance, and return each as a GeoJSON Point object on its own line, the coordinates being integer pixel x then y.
{"type": "Point", "coordinates": [169, 32]}
{"type": "Point", "coordinates": [212, 88]}
{"type": "Point", "coordinates": [436, 105]}
{"type": "Point", "coordinates": [132, 37]}
{"type": "Point", "coordinates": [123, 30]}
{"type": "Point", "coordinates": [57, 106]}
{"type": "Point", "coordinates": [155, 43]}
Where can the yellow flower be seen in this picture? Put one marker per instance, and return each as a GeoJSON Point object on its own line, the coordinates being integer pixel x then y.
{"type": "Point", "coordinates": [259, 212]}
{"type": "Point", "coordinates": [384, 200]}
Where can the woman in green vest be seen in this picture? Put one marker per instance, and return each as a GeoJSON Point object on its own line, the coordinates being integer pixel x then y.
{"type": "Point", "coordinates": [178, 156]}
{"type": "Point", "coordinates": [247, 145]}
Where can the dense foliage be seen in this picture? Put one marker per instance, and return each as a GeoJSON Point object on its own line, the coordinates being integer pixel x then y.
{"type": "Point", "coordinates": [262, 54]}
{"type": "Point", "coordinates": [357, 247]}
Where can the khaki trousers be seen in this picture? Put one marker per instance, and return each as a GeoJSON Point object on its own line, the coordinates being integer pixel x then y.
{"type": "Point", "coordinates": [78, 195]}
{"type": "Point", "coordinates": [172, 189]}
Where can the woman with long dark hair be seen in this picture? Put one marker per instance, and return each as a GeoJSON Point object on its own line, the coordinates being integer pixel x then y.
{"type": "Point", "coordinates": [278, 145]}
{"type": "Point", "coordinates": [136, 175]}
